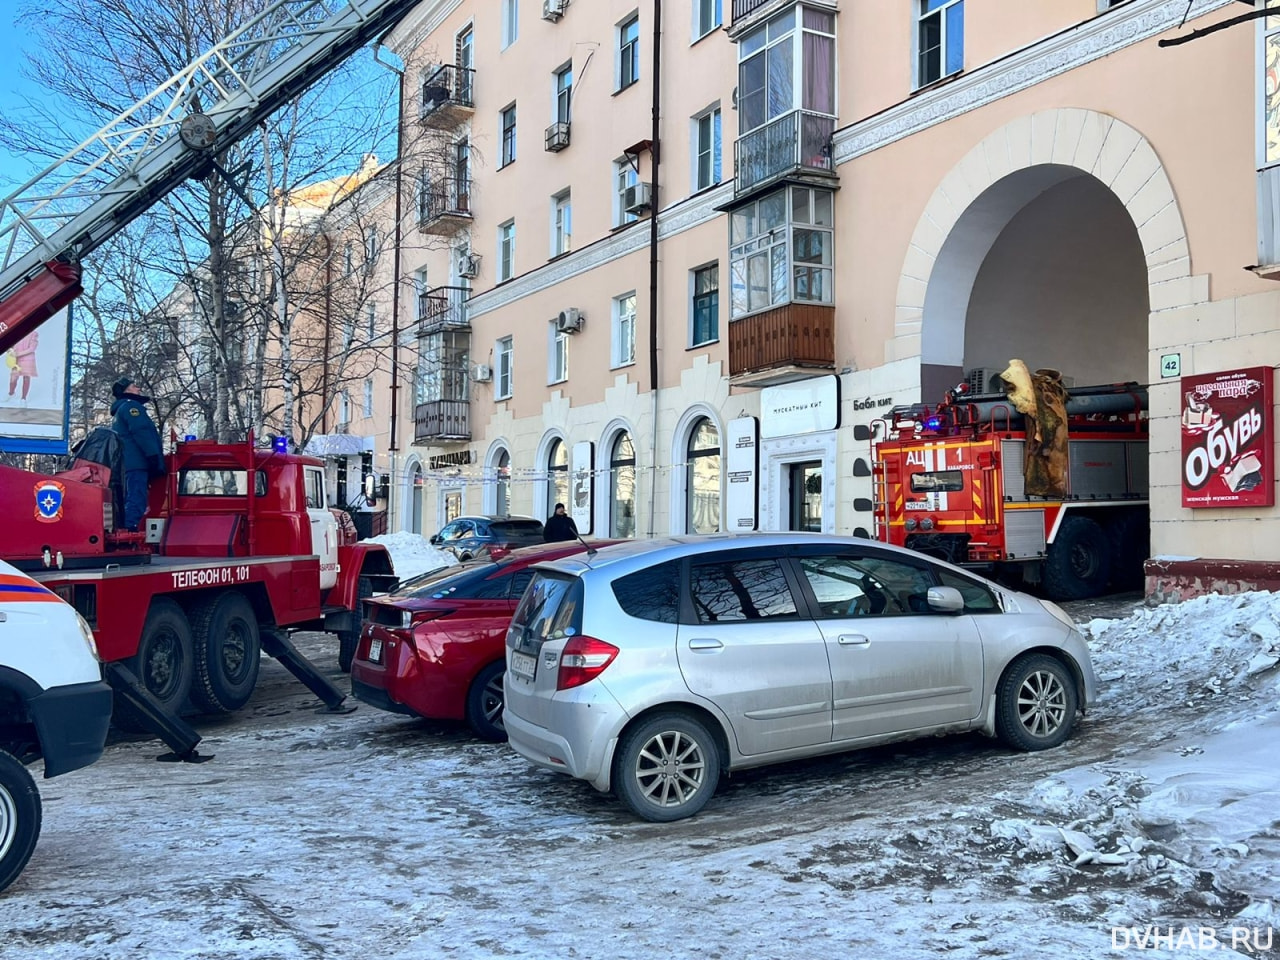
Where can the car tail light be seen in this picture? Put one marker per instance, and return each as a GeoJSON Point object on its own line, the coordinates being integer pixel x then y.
{"type": "Point", "coordinates": [411, 618]}
{"type": "Point", "coordinates": [583, 659]}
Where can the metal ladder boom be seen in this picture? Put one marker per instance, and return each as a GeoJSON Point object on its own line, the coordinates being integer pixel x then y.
{"type": "Point", "coordinates": [54, 220]}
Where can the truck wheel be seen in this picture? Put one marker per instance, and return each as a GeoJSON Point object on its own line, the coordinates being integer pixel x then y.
{"type": "Point", "coordinates": [163, 663]}
{"type": "Point", "coordinates": [19, 818]}
{"type": "Point", "coordinates": [1130, 547]}
{"type": "Point", "coordinates": [484, 703]}
{"type": "Point", "coordinates": [348, 640]}
{"type": "Point", "coordinates": [1079, 561]}
{"type": "Point", "coordinates": [227, 653]}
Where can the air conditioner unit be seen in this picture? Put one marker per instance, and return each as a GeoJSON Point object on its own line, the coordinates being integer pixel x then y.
{"type": "Point", "coordinates": [569, 321]}
{"type": "Point", "coordinates": [557, 137]}
{"type": "Point", "coordinates": [637, 198]}
{"type": "Point", "coordinates": [553, 10]}
{"type": "Point", "coordinates": [468, 265]}
{"type": "Point", "coordinates": [482, 373]}
{"type": "Point", "coordinates": [983, 380]}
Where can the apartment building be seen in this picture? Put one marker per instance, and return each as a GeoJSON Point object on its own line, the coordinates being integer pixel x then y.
{"type": "Point", "coordinates": [895, 197]}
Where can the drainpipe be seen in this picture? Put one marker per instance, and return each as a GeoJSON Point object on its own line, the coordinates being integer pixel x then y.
{"type": "Point", "coordinates": [655, 154]}
{"type": "Point", "coordinates": [394, 447]}
{"type": "Point", "coordinates": [328, 326]}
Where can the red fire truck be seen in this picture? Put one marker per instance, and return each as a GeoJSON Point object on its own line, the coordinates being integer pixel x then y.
{"type": "Point", "coordinates": [949, 481]}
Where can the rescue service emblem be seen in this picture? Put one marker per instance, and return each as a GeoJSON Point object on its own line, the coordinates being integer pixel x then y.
{"type": "Point", "coordinates": [133, 411]}
{"type": "Point", "coordinates": [49, 501]}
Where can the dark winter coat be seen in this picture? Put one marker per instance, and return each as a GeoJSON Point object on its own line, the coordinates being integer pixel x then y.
{"type": "Point", "coordinates": [138, 435]}
{"type": "Point", "coordinates": [559, 528]}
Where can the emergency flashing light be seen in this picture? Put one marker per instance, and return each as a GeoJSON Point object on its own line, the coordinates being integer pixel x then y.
{"type": "Point", "coordinates": [280, 444]}
{"type": "Point", "coordinates": [933, 423]}
{"type": "Point", "coordinates": [189, 438]}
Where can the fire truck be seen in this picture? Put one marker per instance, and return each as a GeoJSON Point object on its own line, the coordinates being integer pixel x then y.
{"type": "Point", "coordinates": [238, 549]}
{"type": "Point", "coordinates": [948, 481]}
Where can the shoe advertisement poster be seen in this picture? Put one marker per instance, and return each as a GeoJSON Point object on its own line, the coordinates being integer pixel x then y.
{"type": "Point", "coordinates": [34, 385]}
{"type": "Point", "coordinates": [1228, 439]}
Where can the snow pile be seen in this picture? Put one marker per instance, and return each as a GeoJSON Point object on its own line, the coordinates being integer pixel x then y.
{"type": "Point", "coordinates": [412, 555]}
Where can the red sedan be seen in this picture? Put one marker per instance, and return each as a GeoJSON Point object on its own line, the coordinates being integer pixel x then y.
{"type": "Point", "coordinates": [437, 647]}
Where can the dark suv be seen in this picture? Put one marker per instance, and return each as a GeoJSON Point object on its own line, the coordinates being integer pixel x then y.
{"type": "Point", "coordinates": [470, 537]}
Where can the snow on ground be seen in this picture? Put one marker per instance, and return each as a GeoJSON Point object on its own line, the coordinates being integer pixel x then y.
{"type": "Point", "coordinates": [412, 555]}
{"type": "Point", "coordinates": [371, 835]}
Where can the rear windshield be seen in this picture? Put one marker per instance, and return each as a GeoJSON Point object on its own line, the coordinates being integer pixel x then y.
{"type": "Point", "coordinates": [550, 609]}
{"type": "Point", "coordinates": [516, 529]}
{"type": "Point", "coordinates": [476, 579]}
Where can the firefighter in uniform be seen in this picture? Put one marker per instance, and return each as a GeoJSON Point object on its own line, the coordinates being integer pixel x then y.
{"type": "Point", "coordinates": [140, 440]}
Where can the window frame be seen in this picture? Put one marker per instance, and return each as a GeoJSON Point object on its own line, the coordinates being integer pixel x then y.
{"type": "Point", "coordinates": [923, 13]}
{"type": "Point", "coordinates": [701, 27]}
{"type": "Point", "coordinates": [694, 273]}
{"type": "Point", "coordinates": [624, 176]}
{"type": "Point", "coordinates": [507, 135]}
{"type": "Point", "coordinates": [714, 148]}
{"type": "Point", "coordinates": [504, 368]}
{"type": "Point", "coordinates": [557, 355]}
{"type": "Point", "coordinates": [510, 22]}
{"type": "Point", "coordinates": [562, 94]}
{"type": "Point", "coordinates": [618, 463]}
{"type": "Point", "coordinates": [627, 71]}
{"type": "Point", "coordinates": [781, 236]}
{"type": "Point", "coordinates": [561, 223]}
{"type": "Point", "coordinates": [700, 453]}
{"type": "Point", "coordinates": [622, 332]}
{"type": "Point", "coordinates": [506, 265]}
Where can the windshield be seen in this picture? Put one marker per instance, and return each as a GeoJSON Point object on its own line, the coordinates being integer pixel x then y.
{"type": "Point", "coordinates": [427, 584]}
{"type": "Point", "coordinates": [516, 529]}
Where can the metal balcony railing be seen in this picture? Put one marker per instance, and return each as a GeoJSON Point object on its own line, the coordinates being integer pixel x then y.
{"type": "Point", "coordinates": [442, 420]}
{"type": "Point", "coordinates": [794, 142]}
{"type": "Point", "coordinates": [445, 197]}
{"type": "Point", "coordinates": [448, 88]}
{"type": "Point", "coordinates": [743, 8]}
{"type": "Point", "coordinates": [443, 308]}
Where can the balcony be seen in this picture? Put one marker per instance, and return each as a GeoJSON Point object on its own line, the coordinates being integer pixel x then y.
{"type": "Point", "coordinates": [443, 308]}
{"type": "Point", "coordinates": [795, 143]}
{"type": "Point", "coordinates": [789, 342]}
{"type": "Point", "coordinates": [447, 96]}
{"type": "Point", "coordinates": [444, 205]}
{"type": "Point", "coordinates": [747, 13]}
{"type": "Point", "coordinates": [441, 420]}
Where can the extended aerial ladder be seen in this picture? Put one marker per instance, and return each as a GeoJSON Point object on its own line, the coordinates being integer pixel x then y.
{"type": "Point", "coordinates": [51, 223]}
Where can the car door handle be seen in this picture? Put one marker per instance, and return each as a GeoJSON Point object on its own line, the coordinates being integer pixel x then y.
{"type": "Point", "coordinates": [852, 640]}
{"type": "Point", "coordinates": [705, 643]}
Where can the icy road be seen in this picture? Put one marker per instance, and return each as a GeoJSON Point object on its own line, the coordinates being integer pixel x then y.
{"type": "Point", "coordinates": [368, 835]}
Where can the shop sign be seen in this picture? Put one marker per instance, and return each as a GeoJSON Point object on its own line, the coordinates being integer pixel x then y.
{"type": "Point", "coordinates": [806, 406]}
{"type": "Point", "coordinates": [741, 467]}
{"type": "Point", "coordinates": [1228, 439]}
{"type": "Point", "coordinates": [581, 485]}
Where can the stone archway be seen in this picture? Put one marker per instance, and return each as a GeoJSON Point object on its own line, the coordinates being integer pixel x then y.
{"type": "Point", "coordinates": [1000, 176]}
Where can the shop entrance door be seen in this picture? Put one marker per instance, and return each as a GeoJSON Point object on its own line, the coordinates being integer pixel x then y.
{"type": "Point", "coordinates": [805, 511]}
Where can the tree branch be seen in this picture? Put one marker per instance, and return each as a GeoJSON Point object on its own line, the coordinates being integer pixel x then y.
{"type": "Point", "coordinates": [1229, 22]}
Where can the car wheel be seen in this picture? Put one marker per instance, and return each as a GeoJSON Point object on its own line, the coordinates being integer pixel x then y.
{"type": "Point", "coordinates": [19, 818]}
{"type": "Point", "coordinates": [484, 703]}
{"type": "Point", "coordinates": [228, 653]}
{"type": "Point", "coordinates": [163, 664]}
{"type": "Point", "coordinates": [1036, 703]}
{"type": "Point", "coordinates": [667, 767]}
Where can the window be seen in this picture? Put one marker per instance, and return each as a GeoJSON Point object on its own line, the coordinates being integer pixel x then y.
{"type": "Point", "coordinates": [510, 22]}
{"type": "Point", "coordinates": [465, 59]}
{"type": "Point", "coordinates": [348, 258]}
{"type": "Point", "coordinates": [370, 248]}
{"type": "Point", "coordinates": [782, 69]}
{"type": "Point", "coordinates": [348, 332]}
{"type": "Point", "coordinates": [1269, 95]}
{"type": "Point", "coordinates": [561, 224]}
{"type": "Point", "coordinates": [939, 40]}
{"type": "Point", "coordinates": [506, 251]}
{"type": "Point", "coordinates": [502, 390]}
{"type": "Point", "coordinates": [624, 175]}
{"type": "Point", "coordinates": [977, 598]}
{"type": "Point", "coordinates": [313, 481]}
{"type": "Point", "coordinates": [706, 150]}
{"type": "Point", "coordinates": [629, 52]}
{"type": "Point", "coordinates": [371, 320]}
{"type": "Point", "coordinates": [706, 17]}
{"type": "Point", "coordinates": [851, 586]}
{"type": "Point", "coordinates": [344, 408]}
{"type": "Point", "coordinates": [652, 593]}
{"type": "Point", "coordinates": [557, 475]}
{"type": "Point", "coordinates": [225, 483]}
{"type": "Point", "coordinates": [735, 590]}
{"type": "Point", "coordinates": [781, 248]}
{"type": "Point", "coordinates": [368, 398]}
{"type": "Point", "coordinates": [508, 155]}
{"type": "Point", "coordinates": [443, 361]}
{"type": "Point", "coordinates": [702, 479]}
{"type": "Point", "coordinates": [557, 355]}
{"type": "Point", "coordinates": [563, 112]}
{"type": "Point", "coordinates": [624, 330]}
{"type": "Point", "coordinates": [502, 497]}
{"type": "Point", "coordinates": [622, 487]}
{"type": "Point", "coordinates": [705, 321]}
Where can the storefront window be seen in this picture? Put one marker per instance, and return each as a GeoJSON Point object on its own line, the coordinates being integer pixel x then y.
{"type": "Point", "coordinates": [702, 479]}
{"type": "Point", "coordinates": [557, 476]}
{"type": "Point", "coordinates": [622, 482]}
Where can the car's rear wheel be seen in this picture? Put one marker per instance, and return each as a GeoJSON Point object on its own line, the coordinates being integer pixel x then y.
{"type": "Point", "coordinates": [667, 767]}
{"type": "Point", "coordinates": [19, 818]}
{"type": "Point", "coordinates": [1036, 703]}
{"type": "Point", "coordinates": [484, 703]}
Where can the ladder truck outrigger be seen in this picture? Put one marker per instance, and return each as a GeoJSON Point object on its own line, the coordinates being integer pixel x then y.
{"type": "Point", "coordinates": [949, 481]}
{"type": "Point", "coordinates": [239, 548]}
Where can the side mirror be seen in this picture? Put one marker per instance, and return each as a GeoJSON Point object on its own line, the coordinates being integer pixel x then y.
{"type": "Point", "coordinates": [435, 540]}
{"type": "Point", "coordinates": [861, 431]}
{"type": "Point", "coordinates": [945, 600]}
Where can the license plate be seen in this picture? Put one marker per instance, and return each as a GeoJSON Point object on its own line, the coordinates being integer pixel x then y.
{"type": "Point", "coordinates": [375, 650]}
{"type": "Point", "coordinates": [523, 665]}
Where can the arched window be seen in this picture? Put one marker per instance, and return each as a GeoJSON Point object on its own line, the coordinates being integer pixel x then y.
{"type": "Point", "coordinates": [702, 479]}
{"type": "Point", "coordinates": [502, 494]}
{"type": "Point", "coordinates": [557, 476]}
{"type": "Point", "coordinates": [622, 487]}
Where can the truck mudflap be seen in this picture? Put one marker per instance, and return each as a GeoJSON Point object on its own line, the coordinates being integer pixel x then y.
{"type": "Point", "coordinates": [71, 722]}
{"type": "Point", "coordinates": [277, 645]}
{"type": "Point", "coordinates": [179, 735]}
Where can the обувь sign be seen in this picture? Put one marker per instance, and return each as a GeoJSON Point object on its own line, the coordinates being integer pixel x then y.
{"type": "Point", "coordinates": [1227, 439]}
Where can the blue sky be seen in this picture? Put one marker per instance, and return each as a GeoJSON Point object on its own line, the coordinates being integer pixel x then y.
{"type": "Point", "coordinates": [13, 87]}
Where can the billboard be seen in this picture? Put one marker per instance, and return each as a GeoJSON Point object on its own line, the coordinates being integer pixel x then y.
{"type": "Point", "coordinates": [34, 389]}
{"type": "Point", "coordinates": [1228, 439]}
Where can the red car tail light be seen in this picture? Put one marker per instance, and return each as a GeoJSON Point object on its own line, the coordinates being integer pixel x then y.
{"type": "Point", "coordinates": [583, 659]}
{"type": "Point", "coordinates": [424, 616]}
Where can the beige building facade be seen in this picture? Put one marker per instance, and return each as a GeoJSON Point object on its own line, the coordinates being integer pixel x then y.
{"type": "Point", "coordinates": [857, 206]}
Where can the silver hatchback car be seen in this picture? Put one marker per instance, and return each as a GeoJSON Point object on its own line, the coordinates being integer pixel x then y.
{"type": "Point", "coordinates": [648, 668]}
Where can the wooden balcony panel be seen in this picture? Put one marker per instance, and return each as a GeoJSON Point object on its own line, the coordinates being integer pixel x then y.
{"type": "Point", "coordinates": [791, 335]}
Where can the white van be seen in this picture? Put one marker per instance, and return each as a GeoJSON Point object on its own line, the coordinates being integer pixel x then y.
{"type": "Point", "coordinates": [54, 706]}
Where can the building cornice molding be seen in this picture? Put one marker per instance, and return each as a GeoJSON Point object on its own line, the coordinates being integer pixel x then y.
{"type": "Point", "coordinates": [411, 32]}
{"type": "Point", "coordinates": [1092, 40]}
{"type": "Point", "coordinates": [683, 216]}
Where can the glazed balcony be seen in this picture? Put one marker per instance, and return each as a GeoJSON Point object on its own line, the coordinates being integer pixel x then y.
{"type": "Point", "coordinates": [447, 96]}
{"type": "Point", "coordinates": [438, 421]}
{"type": "Point", "coordinates": [443, 308]}
{"type": "Point", "coordinates": [795, 143]}
{"type": "Point", "coordinates": [444, 205]}
{"type": "Point", "coordinates": [788, 342]}
{"type": "Point", "coordinates": [747, 13]}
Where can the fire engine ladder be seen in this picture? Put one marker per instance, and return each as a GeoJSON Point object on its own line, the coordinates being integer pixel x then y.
{"type": "Point", "coordinates": [53, 221]}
